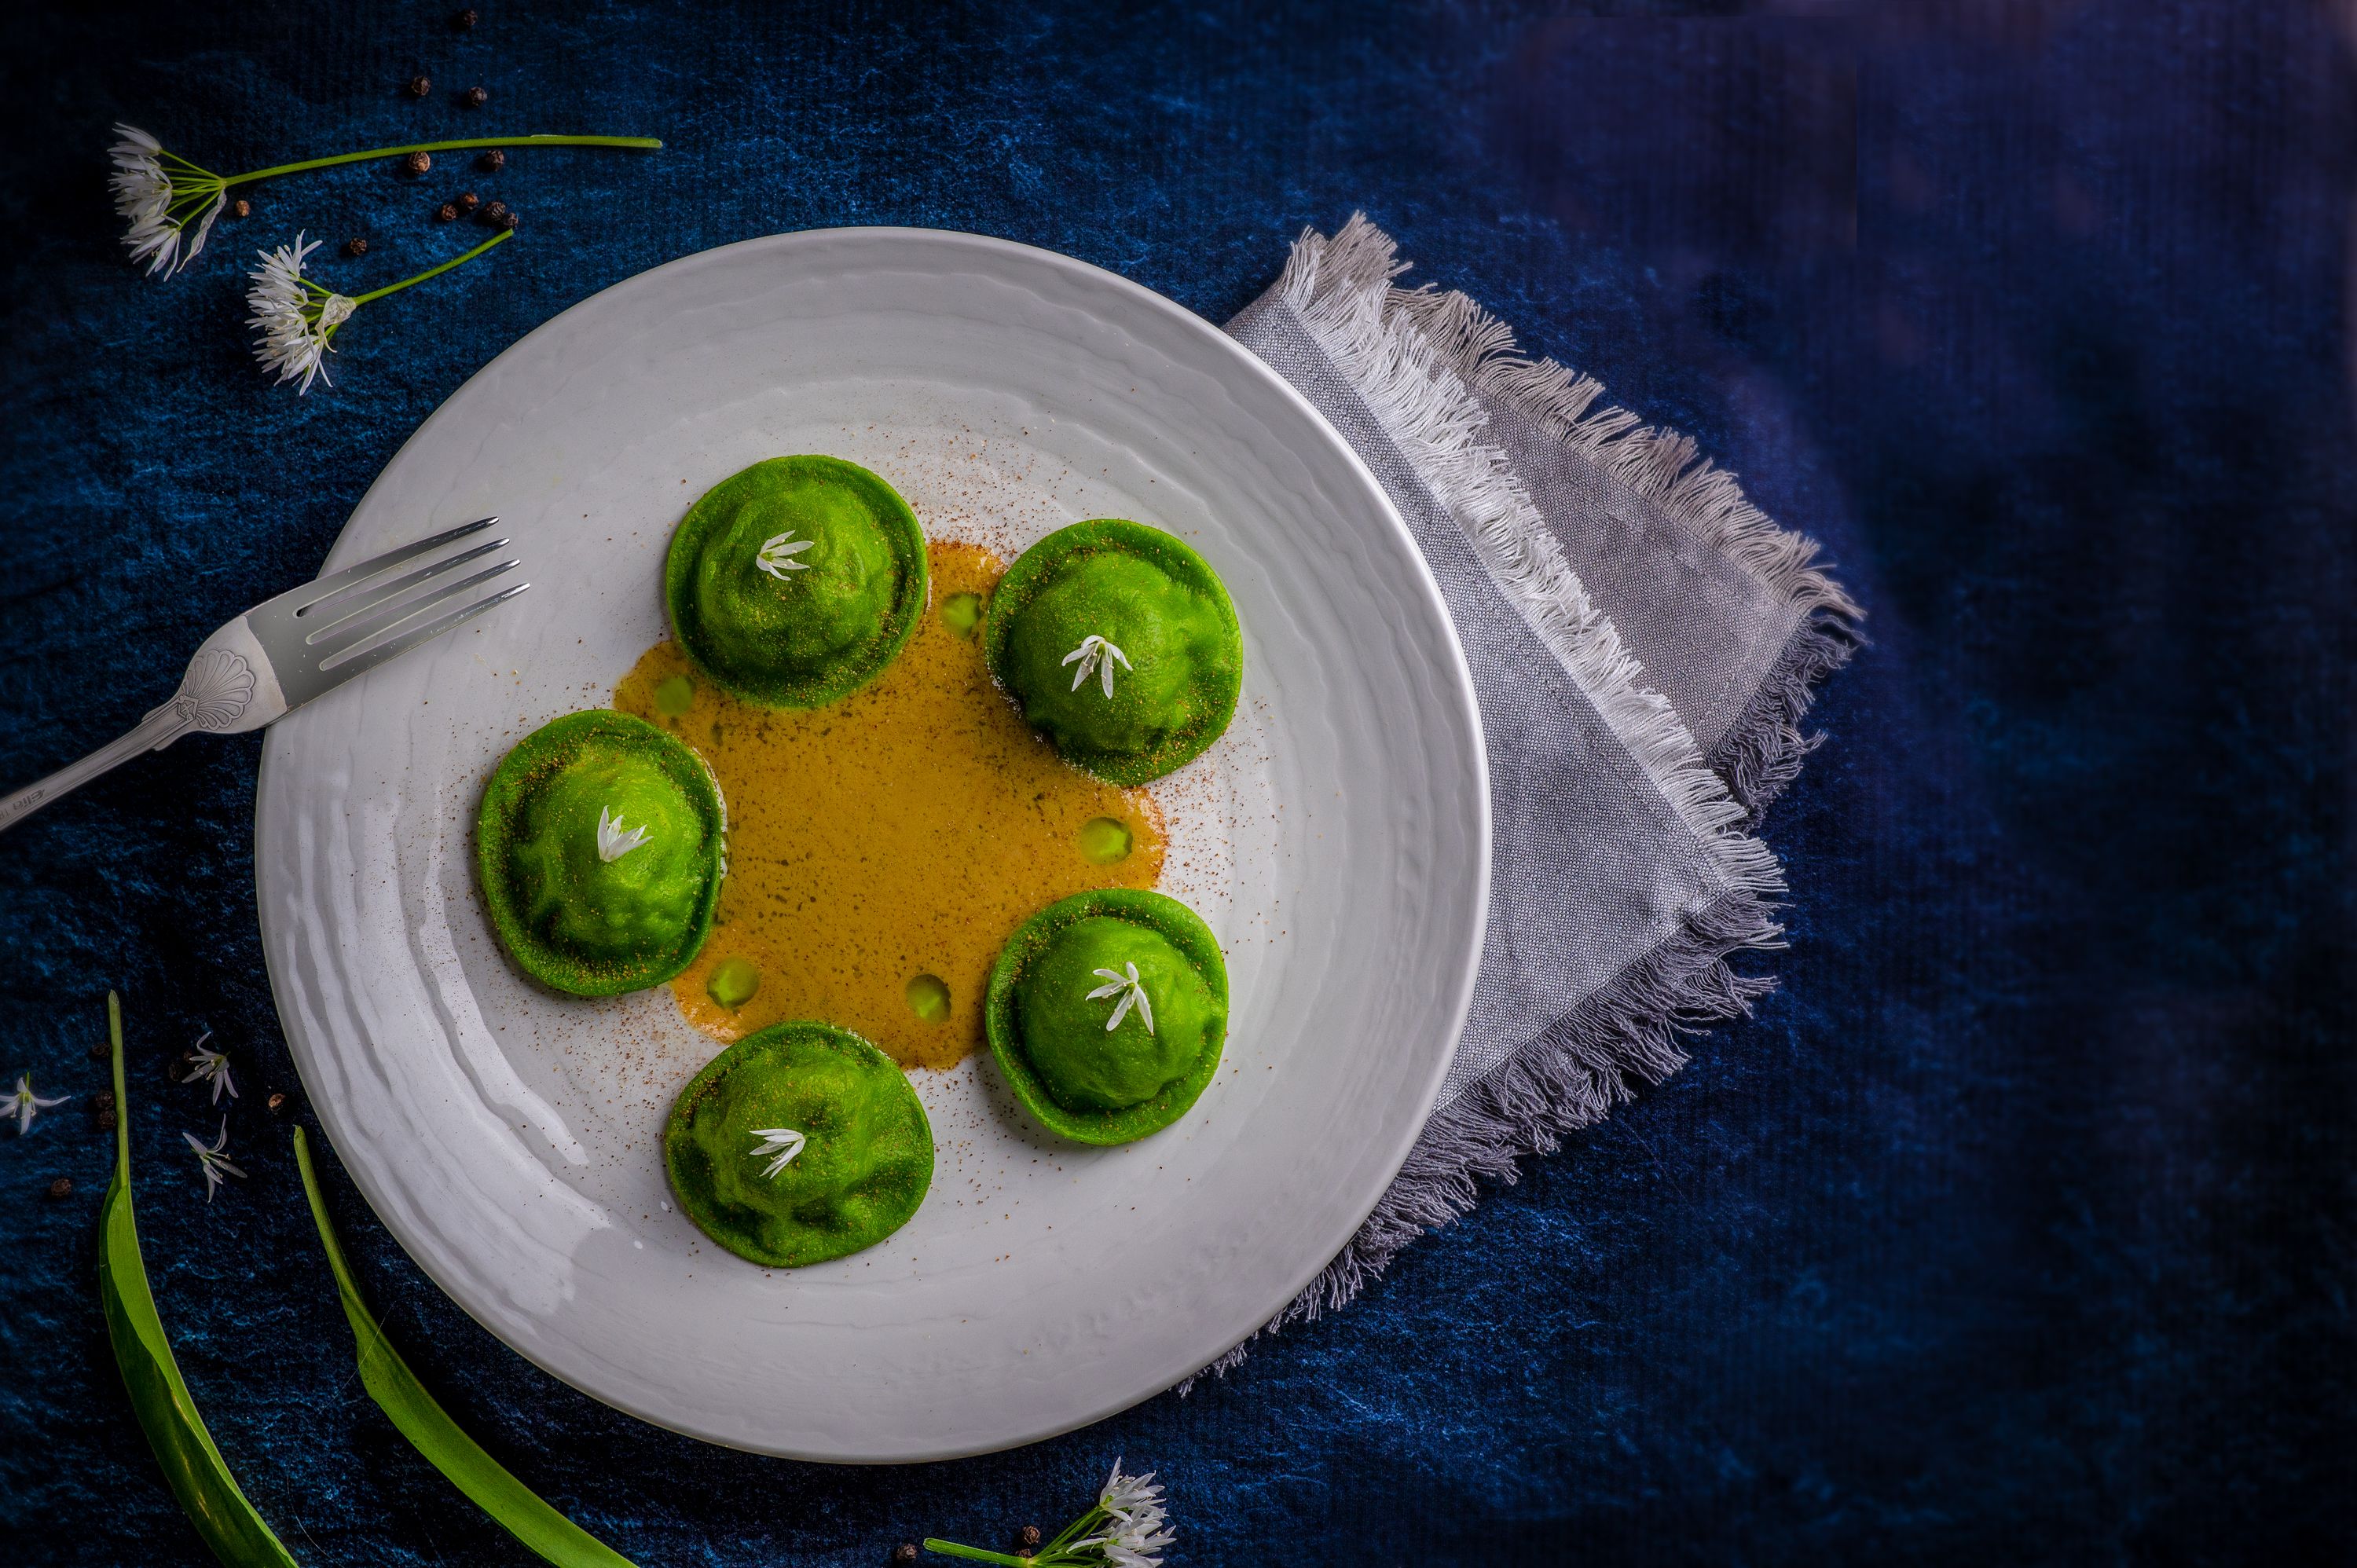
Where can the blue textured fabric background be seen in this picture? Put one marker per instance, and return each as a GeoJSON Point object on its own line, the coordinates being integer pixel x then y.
{"type": "Point", "coordinates": [2016, 1228]}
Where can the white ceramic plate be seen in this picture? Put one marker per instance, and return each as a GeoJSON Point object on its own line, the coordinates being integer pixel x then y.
{"type": "Point", "coordinates": [1337, 840]}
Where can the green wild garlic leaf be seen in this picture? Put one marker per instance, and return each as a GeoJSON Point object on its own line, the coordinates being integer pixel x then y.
{"type": "Point", "coordinates": [199, 1477]}
{"type": "Point", "coordinates": [511, 1504]}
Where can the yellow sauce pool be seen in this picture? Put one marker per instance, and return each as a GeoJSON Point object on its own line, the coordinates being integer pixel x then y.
{"type": "Point", "coordinates": [880, 851]}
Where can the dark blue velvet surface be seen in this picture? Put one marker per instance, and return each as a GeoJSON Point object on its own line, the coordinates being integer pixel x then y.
{"type": "Point", "coordinates": [2016, 1228]}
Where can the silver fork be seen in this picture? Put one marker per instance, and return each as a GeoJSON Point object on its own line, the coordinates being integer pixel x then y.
{"type": "Point", "coordinates": [285, 652]}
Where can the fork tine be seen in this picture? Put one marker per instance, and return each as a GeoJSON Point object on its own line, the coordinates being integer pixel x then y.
{"type": "Point", "coordinates": [369, 659]}
{"type": "Point", "coordinates": [340, 608]}
{"type": "Point", "coordinates": [320, 589]}
{"type": "Point", "coordinates": [336, 651]}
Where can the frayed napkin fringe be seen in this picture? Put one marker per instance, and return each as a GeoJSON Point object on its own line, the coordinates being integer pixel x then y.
{"type": "Point", "coordinates": [1762, 752]}
{"type": "Point", "coordinates": [1405, 354]}
{"type": "Point", "coordinates": [1340, 292]}
{"type": "Point", "coordinates": [1572, 1077]}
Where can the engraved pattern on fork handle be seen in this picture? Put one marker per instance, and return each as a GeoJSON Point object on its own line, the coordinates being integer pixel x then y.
{"type": "Point", "coordinates": [217, 689]}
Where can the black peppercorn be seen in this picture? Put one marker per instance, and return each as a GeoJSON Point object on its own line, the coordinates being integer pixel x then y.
{"type": "Point", "coordinates": [417, 163]}
{"type": "Point", "coordinates": [905, 1552]}
{"type": "Point", "coordinates": [469, 202]}
{"type": "Point", "coordinates": [356, 246]}
{"type": "Point", "coordinates": [99, 1050]}
{"type": "Point", "coordinates": [278, 1101]}
{"type": "Point", "coordinates": [465, 19]}
{"type": "Point", "coordinates": [1028, 1538]}
{"type": "Point", "coordinates": [61, 1187]}
{"type": "Point", "coordinates": [494, 160]}
{"type": "Point", "coordinates": [175, 1068]}
{"type": "Point", "coordinates": [508, 220]}
{"type": "Point", "coordinates": [103, 1101]}
{"type": "Point", "coordinates": [445, 212]}
{"type": "Point", "coordinates": [495, 211]}
{"type": "Point", "coordinates": [474, 98]}
{"type": "Point", "coordinates": [241, 208]}
{"type": "Point", "coordinates": [106, 1120]}
{"type": "Point", "coordinates": [420, 86]}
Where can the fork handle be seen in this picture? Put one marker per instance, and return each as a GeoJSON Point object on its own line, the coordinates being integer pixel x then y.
{"type": "Point", "coordinates": [159, 729]}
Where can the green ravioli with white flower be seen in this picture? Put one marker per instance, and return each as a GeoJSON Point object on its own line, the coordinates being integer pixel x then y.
{"type": "Point", "coordinates": [800, 1143]}
{"type": "Point", "coordinates": [1107, 1012]}
{"type": "Point", "coordinates": [1121, 644]}
{"type": "Point", "coordinates": [793, 583]}
{"type": "Point", "coordinates": [599, 852]}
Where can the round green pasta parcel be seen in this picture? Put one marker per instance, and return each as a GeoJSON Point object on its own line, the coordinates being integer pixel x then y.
{"type": "Point", "coordinates": [600, 850]}
{"type": "Point", "coordinates": [1120, 642]}
{"type": "Point", "coordinates": [800, 1143]}
{"type": "Point", "coordinates": [1107, 1012]}
{"type": "Point", "coordinates": [793, 583]}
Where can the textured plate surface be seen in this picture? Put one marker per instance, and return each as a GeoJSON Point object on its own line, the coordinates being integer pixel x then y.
{"type": "Point", "coordinates": [1337, 840]}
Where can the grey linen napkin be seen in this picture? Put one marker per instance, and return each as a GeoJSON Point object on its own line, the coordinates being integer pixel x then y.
{"type": "Point", "coordinates": [1643, 643]}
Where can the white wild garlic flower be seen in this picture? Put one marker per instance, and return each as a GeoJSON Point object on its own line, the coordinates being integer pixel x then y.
{"type": "Point", "coordinates": [1126, 1528]}
{"type": "Point", "coordinates": [782, 1142]}
{"type": "Point", "coordinates": [24, 1104]}
{"type": "Point", "coordinates": [1139, 1545]}
{"type": "Point", "coordinates": [298, 318]}
{"type": "Point", "coordinates": [1124, 1496]}
{"type": "Point", "coordinates": [777, 557]}
{"type": "Point", "coordinates": [1137, 1529]}
{"type": "Point", "coordinates": [1132, 992]}
{"type": "Point", "coordinates": [211, 1161]}
{"type": "Point", "coordinates": [170, 203]}
{"type": "Point", "coordinates": [1095, 655]}
{"type": "Point", "coordinates": [205, 1064]}
{"type": "Point", "coordinates": [613, 844]}
{"type": "Point", "coordinates": [161, 193]}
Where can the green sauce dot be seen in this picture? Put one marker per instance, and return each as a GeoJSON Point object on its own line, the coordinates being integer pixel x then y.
{"type": "Point", "coordinates": [674, 695]}
{"type": "Point", "coordinates": [734, 983]}
{"type": "Point", "coordinates": [1104, 840]}
{"type": "Point", "coordinates": [929, 998]}
{"type": "Point", "coordinates": [961, 613]}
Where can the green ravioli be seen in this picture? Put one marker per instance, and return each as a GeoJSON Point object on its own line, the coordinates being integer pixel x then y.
{"type": "Point", "coordinates": [794, 582]}
{"type": "Point", "coordinates": [861, 1149]}
{"type": "Point", "coordinates": [1120, 642]}
{"type": "Point", "coordinates": [1141, 962]}
{"type": "Point", "coordinates": [599, 848]}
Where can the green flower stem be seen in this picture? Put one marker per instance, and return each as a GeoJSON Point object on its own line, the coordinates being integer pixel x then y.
{"type": "Point", "coordinates": [434, 272]}
{"type": "Point", "coordinates": [547, 1533]}
{"type": "Point", "coordinates": [1085, 1525]}
{"type": "Point", "coordinates": [975, 1553]}
{"type": "Point", "coordinates": [1048, 1556]}
{"type": "Point", "coordinates": [647, 144]}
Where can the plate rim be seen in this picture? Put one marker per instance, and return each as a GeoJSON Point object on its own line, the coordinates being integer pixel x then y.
{"type": "Point", "coordinates": [1422, 580]}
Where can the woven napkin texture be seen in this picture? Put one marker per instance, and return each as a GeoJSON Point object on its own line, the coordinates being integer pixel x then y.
{"type": "Point", "coordinates": [1643, 643]}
